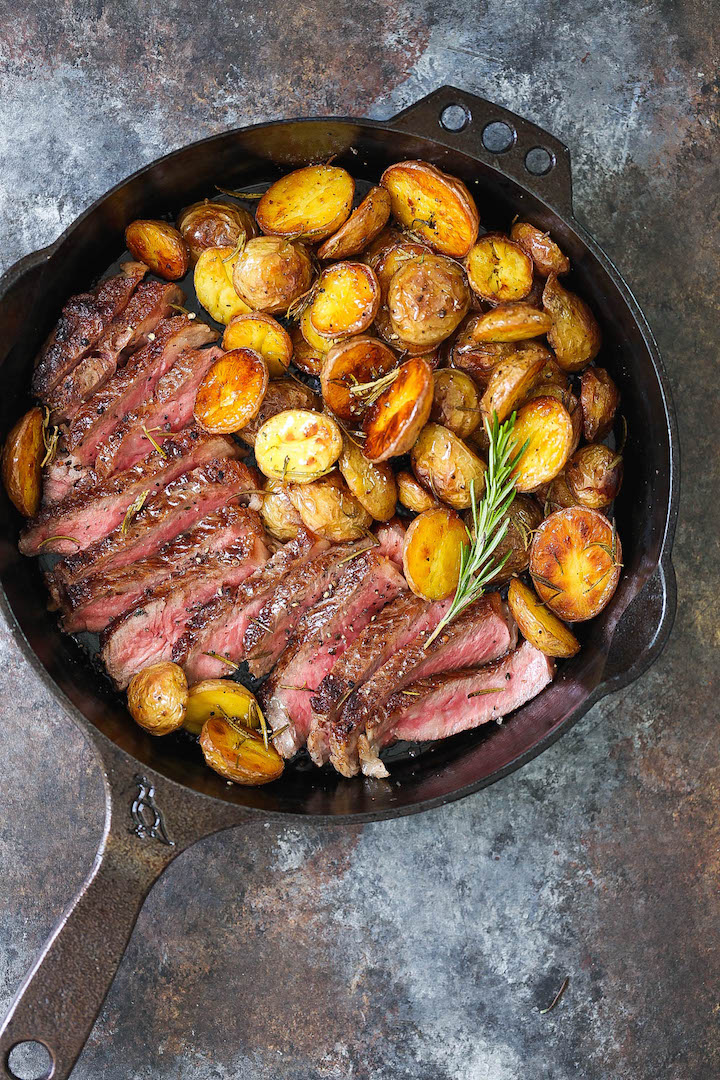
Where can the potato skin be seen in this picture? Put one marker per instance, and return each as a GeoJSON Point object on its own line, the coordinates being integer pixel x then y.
{"type": "Point", "coordinates": [477, 358]}
{"type": "Point", "coordinates": [538, 625]}
{"type": "Point", "coordinates": [328, 509]}
{"type": "Point", "coordinates": [498, 270]}
{"type": "Point", "coordinates": [231, 393]}
{"type": "Point", "coordinates": [456, 402]}
{"type": "Point", "coordinates": [280, 396]}
{"type": "Point", "coordinates": [309, 203]}
{"type": "Point", "coordinates": [22, 455]}
{"type": "Point", "coordinates": [214, 224]}
{"type": "Point", "coordinates": [353, 362]}
{"type": "Point", "coordinates": [412, 495]}
{"type": "Point", "coordinates": [432, 551]}
{"type": "Point", "coordinates": [512, 322]}
{"type": "Point", "coordinates": [278, 513]}
{"type": "Point", "coordinates": [427, 299]}
{"type": "Point", "coordinates": [544, 252]}
{"type": "Point", "coordinates": [360, 229]}
{"type": "Point", "coordinates": [574, 335]}
{"type": "Point", "coordinates": [447, 467]}
{"type": "Point", "coordinates": [396, 419]}
{"type": "Point", "coordinates": [238, 754]}
{"type": "Point", "coordinates": [390, 259]}
{"type": "Point", "coordinates": [157, 698]}
{"type": "Point", "coordinates": [547, 426]}
{"type": "Point", "coordinates": [270, 273]}
{"type": "Point", "coordinates": [599, 399]}
{"type": "Point", "coordinates": [575, 562]}
{"type": "Point", "coordinates": [594, 475]}
{"type": "Point", "coordinates": [372, 485]}
{"type": "Point", "coordinates": [435, 205]}
{"type": "Point", "coordinates": [512, 379]}
{"type": "Point", "coordinates": [306, 356]}
{"type": "Point", "coordinates": [558, 495]}
{"type": "Point", "coordinates": [213, 280]}
{"type": "Point", "coordinates": [160, 246]}
{"type": "Point", "coordinates": [523, 517]}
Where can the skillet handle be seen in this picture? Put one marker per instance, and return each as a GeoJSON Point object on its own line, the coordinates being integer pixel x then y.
{"type": "Point", "coordinates": [149, 821]}
{"type": "Point", "coordinates": [461, 121]}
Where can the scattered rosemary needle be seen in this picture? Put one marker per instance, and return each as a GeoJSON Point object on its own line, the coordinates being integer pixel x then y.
{"type": "Point", "coordinates": [134, 508]}
{"type": "Point", "coordinates": [223, 660]}
{"type": "Point", "coordinates": [555, 1000]}
{"type": "Point", "coordinates": [369, 392]}
{"type": "Point", "coordinates": [155, 443]}
{"type": "Point", "coordinates": [239, 247]}
{"type": "Point", "coordinates": [49, 540]}
{"type": "Point", "coordinates": [490, 690]}
{"type": "Point", "coordinates": [184, 311]}
{"type": "Point", "coordinates": [240, 194]}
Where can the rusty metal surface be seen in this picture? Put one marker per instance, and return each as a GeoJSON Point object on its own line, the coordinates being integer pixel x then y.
{"type": "Point", "coordinates": [424, 947]}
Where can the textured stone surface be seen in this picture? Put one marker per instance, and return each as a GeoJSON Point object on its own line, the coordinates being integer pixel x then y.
{"type": "Point", "coordinates": [424, 947]}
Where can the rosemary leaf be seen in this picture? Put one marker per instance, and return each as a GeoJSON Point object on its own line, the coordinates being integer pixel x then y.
{"type": "Point", "coordinates": [134, 508]}
{"type": "Point", "coordinates": [223, 660]}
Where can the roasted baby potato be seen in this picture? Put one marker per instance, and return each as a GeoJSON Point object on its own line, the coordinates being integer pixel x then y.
{"type": "Point", "coordinates": [372, 485]}
{"type": "Point", "coordinates": [428, 298]}
{"type": "Point", "coordinates": [279, 515]}
{"type": "Point", "coordinates": [396, 419]}
{"type": "Point", "coordinates": [384, 329]}
{"type": "Point", "coordinates": [307, 204]}
{"type": "Point", "coordinates": [498, 270]}
{"type": "Point", "coordinates": [599, 399]}
{"type": "Point", "coordinates": [538, 625]}
{"type": "Point", "coordinates": [220, 697]}
{"type": "Point", "coordinates": [447, 467]}
{"type": "Point", "coordinates": [328, 509]}
{"type": "Point", "coordinates": [214, 224]}
{"type": "Point", "coordinates": [574, 335]}
{"type": "Point", "coordinates": [412, 495]}
{"type": "Point", "coordinates": [157, 698]}
{"type": "Point", "coordinates": [160, 246]}
{"type": "Point", "coordinates": [231, 393]}
{"type": "Point", "coordinates": [551, 381]}
{"type": "Point", "coordinates": [263, 335]}
{"type": "Point", "coordinates": [315, 341]}
{"type": "Point", "coordinates": [297, 446]}
{"type": "Point", "coordinates": [594, 475]}
{"type": "Point", "coordinates": [523, 517]}
{"type": "Point", "coordinates": [363, 225]}
{"type": "Point", "coordinates": [511, 379]}
{"type": "Point", "coordinates": [22, 458]}
{"type": "Point", "coordinates": [477, 358]}
{"type": "Point", "coordinates": [239, 753]}
{"type": "Point", "coordinates": [432, 552]}
{"type": "Point", "coordinates": [544, 252]}
{"type": "Point", "coordinates": [345, 301]}
{"type": "Point", "coordinates": [575, 562]}
{"type": "Point", "coordinates": [349, 369]}
{"type": "Point", "coordinates": [456, 402]}
{"type": "Point", "coordinates": [389, 261]}
{"type": "Point", "coordinates": [281, 395]}
{"type": "Point", "coordinates": [512, 322]}
{"type": "Point", "coordinates": [546, 426]}
{"type": "Point", "coordinates": [306, 356]}
{"type": "Point", "coordinates": [558, 495]}
{"type": "Point", "coordinates": [213, 279]}
{"type": "Point", "coordinates": [271, 273]}
{"type": "Point", "coordinates": [436, 206]}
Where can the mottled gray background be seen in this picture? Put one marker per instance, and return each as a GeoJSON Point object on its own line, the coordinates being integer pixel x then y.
{"type": "Point", "coordinates": [421, 948]}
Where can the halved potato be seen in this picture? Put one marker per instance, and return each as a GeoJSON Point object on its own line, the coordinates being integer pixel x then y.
{"type": "Point", "coordinates": [456, 402]}
{"type": "Point", "coordinates": [389, 261]}
{"type": "Point", "coordinates": [263, 335]}
{"type": "Point", "coordinates": [372, 485]}
{"type": "Point", "coordinates": [213, 280]}
{"type": "Point", "coordinates": [544, 252]}
{"type": "Point", "coordinates": [306, 356]}
{"type": "Point", "coordinates": [157, 698]}
{"type": "Point", "coordinates": [314, 340]}
{"type": "Point", "coordinates": [432, 552]}
{"type": "Point", "coordinates": [551, 381]}
{"type": "Point", "coordinates": [231, 393]}
{"type": "Point", "coordinates": [599, 399]}
{"type": "Point", "coordinates": [538, 625]}
{"type": "Point", "coordinates": [22, 458]}
{"type": "Point", "coordinates": [281, 395]}
{"type": "Point", "coordinates": [477, 358]}
{"type": "Point", "coordinates": [575, 562]}
{"type": "Point", "coordinates": [511, 379]}
{"type": "Point", "coordinates": [160, 246]}
{"type": "Point", "coordinates": [239, 753]}
{"type": "Point", "coordinates": [350, 366]}
{"type": "Point", "coordinates": [309, 203]}
{"type": "Point", "coordinates": [523, 517]}
{"type": "Point", "coordinates": [444, 464]}
{"type": "Point", "coordinates": [594, 475]}
{"type": "Point", "coordinates": [574, 334]}
{"type": "Point", "coordinates": [427, 299]}
{"type": "Point", "coordinates": [297, 446]}
{"type": "Point", "coordinates": [512, 322]}
{"type": "Point", "coordinates": [363, 225]}
{"type": "Point", "coordinates": [436, 206]}
{"type": "Point", "coordinates": [498, 270]}
{"type": "Point", "coordinates": [278, 513]}
{"type": "Point", "coordinates": [214, 224]}
{"type": "Point", "coordinates": [546, 426]}
{"type": "Point", "coordinates": [398, 416]}
{"type": "Point", "coordinates": [412, 495]}
{"type": "Point", "coordinates": [379, 247]}
{"type": "Point", "coordinates": [271, 273]}
{"type": "Point", "coordinates": [345, 300]}
{"type": "Point", "coordinates": [219, 697]}
{"type": "Point", "coordinates": [329, 509]}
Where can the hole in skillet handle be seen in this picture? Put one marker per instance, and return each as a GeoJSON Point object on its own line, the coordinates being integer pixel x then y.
{"type": "Point", "coordinates": [498, 137]}
{"type": "Point", "coordinates": [539, 161]}
{"type": "Point", "coordinates": [455, 118]}
{"type": "Point", "coordinates": [30, 1060]}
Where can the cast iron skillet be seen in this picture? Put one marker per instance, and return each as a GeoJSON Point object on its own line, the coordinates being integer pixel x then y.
{"type": "Point", "coordinates": [159, 797]}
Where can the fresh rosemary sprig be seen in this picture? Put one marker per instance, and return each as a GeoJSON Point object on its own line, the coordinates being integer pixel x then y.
{"type": "Point", "coordinates": [369, 392]}
{"type": "Point", "coordinates": [476, 564]}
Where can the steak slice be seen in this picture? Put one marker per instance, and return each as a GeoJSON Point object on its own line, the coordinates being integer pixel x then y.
{"type": "Point", "coordinates": [367, 583]}
{"type": "Point", "coordinates": [482, 632]}
{"type": "Point", "coordinates": [83, 320]}
{"type": "Point", "coordinates": [93, 602]}
{"type": "Point", "coordinates": [87, 516]}
{"type": "Point", "coordinates": [445, 704]}
{"type": "Point", "coordinates": [391, 538]}
{"type": "Point", "coordinates": [146, 634]}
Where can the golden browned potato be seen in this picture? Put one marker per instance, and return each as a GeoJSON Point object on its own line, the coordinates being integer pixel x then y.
{"type": "Point", "coordinates": [315, 341]}
{"type": "Point", "coordinates": [281, 395]}
{"type": "Point", "coordinates": [594, 475]}
{"type": "Point", "coordinates": [214, 287]}
{"type": "Point", "coordinates": [231, 393]}
{"type": "Point", "coordinates": [428, 298]}
{"type": "Point", "coordinates": [157, 698]}
{"type": "Point", "coordinates": [160, 246]}
{"type": "Point", "coordinates": [558, 495]}
{"type": "Point", "coordinates": [512, 322]}
{"type": "Point", "coordinates": [436, 206]}
{"type": "Point", "coordinates": [544, 252]}
{"type": "Point", "coordinates": [575, 562]}
{"type": "Point", "coordinates": [477, 358]}
{"type": "Point", "coordinates": [456, 402]}
{"type": "Point", "coordinates": [363, 225]}
{"type": "Point", "coordinates": [219, 697]}
{"type": "Point", "coordinates": [307, 204]}
{"type": "Point", "coordinates": [345, 301]}
{"type": "Point", "coordinates": [551, 381]}
{"type": "Point", "coordinates": [538, 625]}
{"type": "Point", "coordinates": [391, 258]}
{"type": "Point", "coordinates": [574, 335]}
{"type": "Point", "coordinates": [384, 329]}
{"type": "Point", "coordinates": [599, 399]}
{"type": "Point", "coordinates": [350, 370]}
{"type": "Point", "coordinates": [546, 426]}
{"type": "Point", "coordinates": [279, 515]}
{"type": "Point", "coordinates": [372, 485]}
{"type": "Point", "coordinates": [412, 495]}
{"type": "Point", "coordinates": [523, 517]}
{"type": "Point", "coordinates": [498, 270]}
{"type": "Point", "coordinates": [432, 552]}
{"type": "Point", "coordinates": [328, 509]}
{"type": "Point", "coordinates": [379, 247]}
{"type": "Point", "coordinates": [22, 458]}
{"type": "Point", "coordinates": [239, 753]}
{"type": "Point", "coordinates": [396, 419]}
{"type": "Point", "coordinates": [511, 380]}
{"type": "Point", "coordinates": [214, 224]}
{"type": "Point", "coordinates": [263, 335]}
{"type": "Point", "coordinates": [270, 273]}
{"type": "Point", "coordinates": [449, 468]}
{"type": "Point", "coordinates": [297, 446]}
{"type": "Point", "coordinates": [306, 356]}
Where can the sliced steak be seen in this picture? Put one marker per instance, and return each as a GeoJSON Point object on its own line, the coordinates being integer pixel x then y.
{"type": "Point", "coordinates": [391, 538]}
{"type": "Point", "coordinates": [83, 321]}
{"type": "Point", "coordinates": [484, 631]}
{"type": "Point", "coordinates": [445, 704]}
{"type": "Point", "coordinates": [93, 602]}
{"type": "Point", "coordinates": [367, 583]}
{"type": "Point", "coordinates": [87, 516]}
{"type": "Point", "coordinates": [146, 634]}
